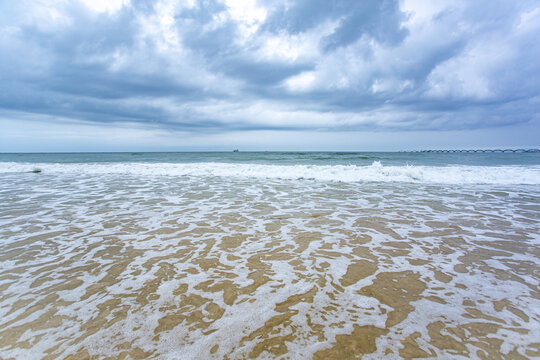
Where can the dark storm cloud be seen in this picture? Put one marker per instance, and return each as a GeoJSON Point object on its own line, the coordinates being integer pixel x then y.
{"type": "Point", "coordinates": [258, 75]}
{"type": "Point", "coordinates": [318, 65]}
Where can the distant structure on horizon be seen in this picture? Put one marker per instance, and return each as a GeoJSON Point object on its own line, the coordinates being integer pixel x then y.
{"type": "Point", "coordinates": [235, 150]}
{"type": "Point", "coordinates": [483, 150]}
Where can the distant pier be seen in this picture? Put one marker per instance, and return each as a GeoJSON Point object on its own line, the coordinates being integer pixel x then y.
{"type": "Point", "coordinates": [482, 151]}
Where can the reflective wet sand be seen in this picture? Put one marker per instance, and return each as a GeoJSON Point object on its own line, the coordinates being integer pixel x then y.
{"type": "Point", "coordinates": [207, 267]}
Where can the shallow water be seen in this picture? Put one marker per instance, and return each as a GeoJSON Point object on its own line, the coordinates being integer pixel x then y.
{"type": "Point", "coordinates": [154, 264]}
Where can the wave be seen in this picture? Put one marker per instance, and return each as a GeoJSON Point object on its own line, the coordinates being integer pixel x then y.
{"type": "Point", "coordinates": [504, 175]}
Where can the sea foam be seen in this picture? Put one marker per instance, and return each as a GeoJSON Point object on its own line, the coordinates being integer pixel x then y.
{"type": "Point", "coordinates": [376, 172]}
{"type": "Point", "coordinates": [215, 260]}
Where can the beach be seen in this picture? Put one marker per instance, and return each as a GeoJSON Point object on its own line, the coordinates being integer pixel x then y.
{"type": "Point", "coordinates": [269, 255]}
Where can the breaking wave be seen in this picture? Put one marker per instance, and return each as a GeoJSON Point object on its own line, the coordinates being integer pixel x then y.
{"type": "Point", "coordinates": [376, 172]}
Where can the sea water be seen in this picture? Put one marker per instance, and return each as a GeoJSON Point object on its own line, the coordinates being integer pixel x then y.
{"type": "Point", "coordinates": [269, 255]}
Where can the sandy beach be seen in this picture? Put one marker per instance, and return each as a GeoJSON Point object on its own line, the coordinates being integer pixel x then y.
{"type": "Point", "coordinates": [176, 267]}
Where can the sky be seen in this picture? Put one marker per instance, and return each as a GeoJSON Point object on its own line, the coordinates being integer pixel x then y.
{"type": "Point", "coordinates": [344, 75]}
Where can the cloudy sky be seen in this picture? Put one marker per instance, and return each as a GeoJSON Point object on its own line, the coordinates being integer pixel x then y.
{"type": "Point", "coordinates": [105, 75]}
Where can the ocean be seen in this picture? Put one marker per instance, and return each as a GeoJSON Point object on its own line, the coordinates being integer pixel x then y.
{"type": "Point", "coordinates": [288, 255]}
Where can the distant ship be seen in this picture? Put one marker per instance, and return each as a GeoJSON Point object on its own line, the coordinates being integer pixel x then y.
{"type": "Point", "coordinates": [235, 150]}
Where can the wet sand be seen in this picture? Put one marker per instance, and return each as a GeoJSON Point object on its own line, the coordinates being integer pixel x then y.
{"type": "Point", "coordinates": [173, 268]}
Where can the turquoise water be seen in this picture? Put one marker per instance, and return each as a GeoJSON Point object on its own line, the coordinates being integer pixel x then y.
{"type": "Point", "coordinates": [286, 158]}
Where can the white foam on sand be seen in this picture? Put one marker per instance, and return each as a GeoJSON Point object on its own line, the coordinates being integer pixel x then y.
{"type": "Point", "coordinates": [124, 240]}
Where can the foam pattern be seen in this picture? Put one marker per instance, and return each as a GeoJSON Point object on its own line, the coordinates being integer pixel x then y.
{"type": "Point", "coordinates": [101, 261]}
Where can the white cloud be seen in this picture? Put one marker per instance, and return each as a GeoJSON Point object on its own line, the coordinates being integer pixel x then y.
{"type": "Point", "coordinates": [109, 6]}
{"type": "Point", "coordinates": [299, 47]}
{"type": "Point", "coordinates": [301, 82]}
{"type": "Point", "coordinates": [422, 12]}
{"type": "Point", "coordinates": [390, 85]}
{"type": "Point", "coordinates": [248, 14]}
{"type": "Point", "coordinates": [489, 65]}
{"type": "Point", "coordinates": [529, 20]}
